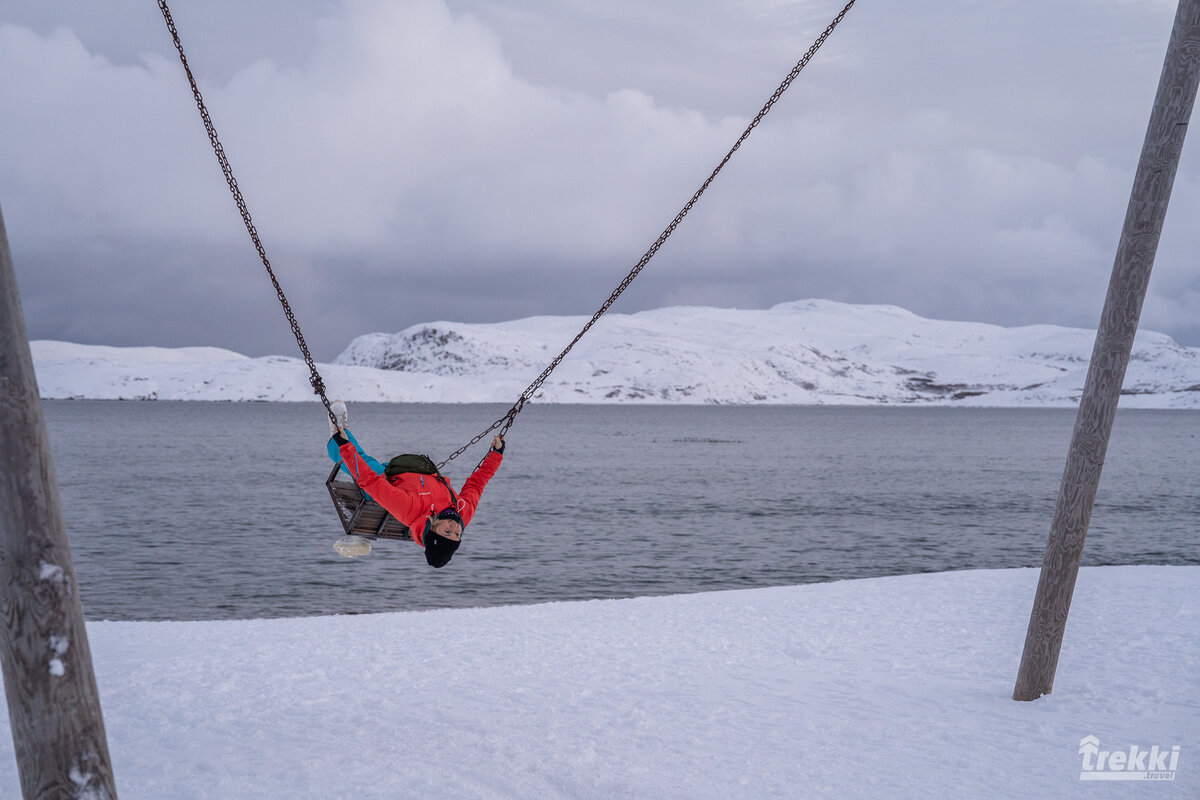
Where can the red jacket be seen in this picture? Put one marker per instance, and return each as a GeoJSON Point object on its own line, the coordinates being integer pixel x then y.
{"type": "Point", "coordinates": [412, 498]}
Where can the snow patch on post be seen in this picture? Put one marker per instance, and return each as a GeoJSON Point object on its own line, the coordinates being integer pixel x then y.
{"type": "Point", "coordinates": [86, 788]}
{"type": "Point", "coordinates": [59, 646]}
{"type": "Point", "coordinates": [51, 572]}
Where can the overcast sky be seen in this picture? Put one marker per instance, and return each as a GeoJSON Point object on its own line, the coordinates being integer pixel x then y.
{"type": "Point", "coordinates": [415, 160]}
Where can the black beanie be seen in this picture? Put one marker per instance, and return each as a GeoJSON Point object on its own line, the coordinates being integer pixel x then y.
{"type": "Point", "coordinates": [438, 549]}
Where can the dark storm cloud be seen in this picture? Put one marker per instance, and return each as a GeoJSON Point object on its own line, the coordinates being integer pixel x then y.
{"type": "Point", "coordinates": [421, 160]}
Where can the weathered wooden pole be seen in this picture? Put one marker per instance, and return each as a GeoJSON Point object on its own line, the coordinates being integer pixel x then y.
{"type": "Point", "coordinates": [1110, 355]}
{"type": "Point", "coordinates": [53, 705]}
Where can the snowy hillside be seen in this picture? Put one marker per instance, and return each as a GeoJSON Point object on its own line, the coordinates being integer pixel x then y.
{"type": "Point", "coordinates": [807, 352]}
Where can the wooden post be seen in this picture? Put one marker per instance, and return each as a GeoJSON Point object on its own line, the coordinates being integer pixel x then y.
{"type": "Point", "coordinates": [53, 705]}
{"type": "Point", "coordinates": [1110, 355]}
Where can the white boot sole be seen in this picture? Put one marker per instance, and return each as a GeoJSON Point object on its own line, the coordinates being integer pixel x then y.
{"type": "Point", "coordinates": [353, 546]}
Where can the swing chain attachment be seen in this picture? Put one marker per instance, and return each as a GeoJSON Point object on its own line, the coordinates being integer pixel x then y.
{"type": "Point", "coordinates": [314, 377]}
{"type": "Point", "coordinates": [531, 390]}
{"type": "Point", "coordinates": [504, 423]}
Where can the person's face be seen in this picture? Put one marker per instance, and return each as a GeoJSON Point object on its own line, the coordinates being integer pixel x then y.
{"type": "Point", "coordinates": [448, 529]}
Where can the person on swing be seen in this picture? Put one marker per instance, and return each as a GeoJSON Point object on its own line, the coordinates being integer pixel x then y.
{"type": "Point", "coordinates": [434, 512]}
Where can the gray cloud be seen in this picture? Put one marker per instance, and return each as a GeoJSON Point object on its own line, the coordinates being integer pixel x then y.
{"type": "Point", "coordinates": [430, 159]}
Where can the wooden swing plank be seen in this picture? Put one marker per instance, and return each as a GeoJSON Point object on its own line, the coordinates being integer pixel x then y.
{"type": "Point", "coordinates": [362, 516]}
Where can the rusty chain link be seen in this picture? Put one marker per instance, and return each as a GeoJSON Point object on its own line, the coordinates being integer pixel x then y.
{"type": "Point", "coordinates": [314, 377]}
{"type": "Point", "coordinates": [507, 420]}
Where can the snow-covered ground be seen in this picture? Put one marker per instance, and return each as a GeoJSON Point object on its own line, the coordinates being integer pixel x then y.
{"type": "Point", "coordinates": [881, 688]}
{"type": "Point", "coordinates": [807, 352]}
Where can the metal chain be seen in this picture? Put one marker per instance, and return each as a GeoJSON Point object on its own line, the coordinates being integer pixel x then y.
{"type": "Point", "coordinates": [314, 377]}
{"type": "Point", "coordinates": [507, 420]}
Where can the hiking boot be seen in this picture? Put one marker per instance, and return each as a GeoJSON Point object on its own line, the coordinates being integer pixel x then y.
{"type": "Point", "coordinates": [341, 414]}
{"type": "Point", "coordinates": [353, 546]}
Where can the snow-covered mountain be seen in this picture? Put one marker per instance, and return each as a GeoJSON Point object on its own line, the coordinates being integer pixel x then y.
{"type": "Point", "coordinates": [806, 352]}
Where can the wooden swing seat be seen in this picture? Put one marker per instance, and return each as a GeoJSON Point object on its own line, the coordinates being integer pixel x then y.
{"type": "Point", "coordinates": [360, 515]}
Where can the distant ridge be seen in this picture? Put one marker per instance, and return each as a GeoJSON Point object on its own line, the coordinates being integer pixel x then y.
{"type": "Point", "coordinates": [810, 352]}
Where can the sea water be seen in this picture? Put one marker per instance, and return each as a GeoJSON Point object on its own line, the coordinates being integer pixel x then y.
{"type": "Point", "coordinates": [219, 510]}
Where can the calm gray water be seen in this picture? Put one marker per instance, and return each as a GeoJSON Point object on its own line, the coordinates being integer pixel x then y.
{"type": "Point", "coordinates": [219, 510]}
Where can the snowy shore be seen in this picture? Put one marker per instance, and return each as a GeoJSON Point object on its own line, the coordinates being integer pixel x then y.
{"type": "Point", "coordinates": [879, 688]}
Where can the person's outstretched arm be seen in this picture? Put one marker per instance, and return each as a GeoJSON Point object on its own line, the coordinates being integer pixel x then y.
{"type": "Point", "coordinates": [472, 490]}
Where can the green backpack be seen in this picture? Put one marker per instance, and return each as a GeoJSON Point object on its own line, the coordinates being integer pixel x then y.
{"type": "Point", "coordinates": [411, 462]}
